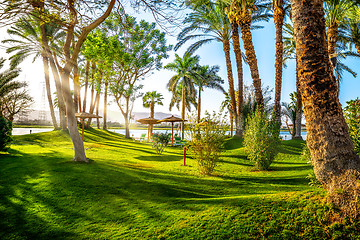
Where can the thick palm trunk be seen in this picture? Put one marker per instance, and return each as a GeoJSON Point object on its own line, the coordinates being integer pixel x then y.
{"type": "Point", "coordinates": [298, 107]}
{"type": "Point", "coordinates": [105, 105]}
{"type": "Point", "coordinates": [48, 90]}
{"type": "Point", "coordinates": [336, 165]}
{"type": "Point", "coordinates": [182, 112]}
{"type": "Point", "coordinates": [244, 24]}
{"type": "Point", "coordinates": [87, 69]}
{"type": "Point", "coordinates": [231, 124]}
{"type": "Point", "coordinates": [279, 21]}
{"type": "Point", "coordinates": [152, 115]}
{"type": "Point", "coordinates": [357, 46]}
{"type": "Point", "coordinates": [238, 57]}
{"type": "Point", "coordinates": [226, 47]}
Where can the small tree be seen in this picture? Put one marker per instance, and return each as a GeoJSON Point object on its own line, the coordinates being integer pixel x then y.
{"type": "Point", "coordinates": [207, 139]}
{"type": "Point", "coordinates": [5, 133]}
{"type": "Point", "coordinates": [261, 140]}
{"type": "Point", "coordinates": [161, 140]}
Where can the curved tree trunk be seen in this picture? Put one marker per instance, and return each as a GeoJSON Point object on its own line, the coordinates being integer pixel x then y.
{"type": "Point", "coordinates": [48, 90]}
{"type": "Point", "coordinates": [279, 21]}
{"type": "Point", "coordinates": [97, 111]}
{"type": "Point", "coordinates": [226, 47]}
{"type": "Point", "coordinates": [244, 24]}
{"type": "Point", "coordinates": [336, 165]}
{"type": "Point", "coordinates": [298, 107]}
{"type": "Point", "coordinates": [238, 57]}
{"type": "Point", "coordinates": [71, 120]}
{"type": "Point", "coordinates": [105, 105]}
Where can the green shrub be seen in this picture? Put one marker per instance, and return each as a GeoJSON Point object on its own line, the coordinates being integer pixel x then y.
{"type": "Point", "coordinates": [5, 133]}
{"type": "Point", "coordinates": [261, 140]}
{"type": "Point", "coordinates": [206, 140]}
{"type": "Point", "coordinates": [160, 141]}
{"type": "Point", "coordinates": [352, 117]}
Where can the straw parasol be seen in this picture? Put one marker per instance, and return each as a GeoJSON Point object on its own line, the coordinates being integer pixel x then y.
{"type": "Point", "coordinates": [149, 121]}
{"type": "Point", "coordinates": [84, 115]}
{"type": "Point", "coordinates": [172, 119]}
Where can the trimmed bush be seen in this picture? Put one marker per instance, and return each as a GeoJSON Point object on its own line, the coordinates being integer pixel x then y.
{"type": "Point", "coordinates": [160, 141]}
{"type": "Point", "coordinates": [5, 133]}
{"type": "Point", "coordinates": [261, 140]}
{"type": "Point", "coordinates": [207, 140]}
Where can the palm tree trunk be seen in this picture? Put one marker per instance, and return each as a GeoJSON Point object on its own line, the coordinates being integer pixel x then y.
{"type": "Point", "coordinates": [87, 69]}
{"type": "Point", "coordinates": [238, 57]}
{"type": "Point", "coordinates": [244, 24]}
{"type": "Point", "coordinates": [298, 106]}
{"type": "Point", "coordinates": [199, 105]}
{"type": "Point", "coordinates": [152, 115]}
{"type": "Point", "coordinates": [231, 124]}
{"type": "Point", "coordinates": [357, 46]}
{"type": "Point", "coordinates": [182, 111]}
{"type": "Point", "coordinates": [48, 90]}
{"type": "Point", "coordinates": [105, 105]}
{"type": "Point", "coordinates": [279, 22]}
{"type": "Point", "coordinates": [226, 47]}
{"type": "Point", "coordinates": [59, 93]}
{"type": "Point", "coordinates": [336, 165]}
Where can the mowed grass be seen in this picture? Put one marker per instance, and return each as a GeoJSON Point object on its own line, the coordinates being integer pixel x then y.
{"type": "Point", "coordinates": [129, 192]}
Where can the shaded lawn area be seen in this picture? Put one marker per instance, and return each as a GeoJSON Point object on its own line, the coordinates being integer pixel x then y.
{"type": "Point", "coordinates": [129, 192]}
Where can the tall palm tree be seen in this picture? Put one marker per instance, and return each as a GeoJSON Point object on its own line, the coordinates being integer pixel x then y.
{"type": "Point", "coordinates": [242, 11]}
{"type": "Point", "coordinates": [28, 42]}
{"type": "Point", "coordinates": [209, 22]}
{"type": "Point", "coordinates": [349, 34]}
{"type": "Point", "coordinates": [149, 101]}
{"type": "Point", "coordinates": [290, 53]}
{"type": "Point", "coordinates": [185, 74]}
{"type": "Point", "coordinates": [279, 16]}
{"type": "Point", "coordinates": [207, 77]}
{"type": "Point", "coordinates": [336, 165]}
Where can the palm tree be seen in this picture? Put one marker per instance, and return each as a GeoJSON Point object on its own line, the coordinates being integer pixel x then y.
{"type": "Point", "coordinates": [207, 77]}
{"type": "Point", "coordinates": [349, 34]}
{"type": "Point", "coordinates": [226, 104]}
{"type": "Point", "coordinates": [185, 74]}
{"type": "Point", "coordinates": [290, 53]}
{"type": "Point", "coordinates": [149, 101]}
{"type": "Point", "coordinates": [211, 21]}
{"type": "Point", "coordinates": [12, 98]}
{"type": "Point", "coordinates": [336, 165]}
{"type": "Point", "coordinates": [242, 12]}
{"type": "Point", "coordinates": [28, 42]}
{"type": "Point", "coordinates": [279, 15]}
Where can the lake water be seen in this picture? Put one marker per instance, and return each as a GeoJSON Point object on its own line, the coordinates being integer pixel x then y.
{"type": "Point", "coordinates": [133, 132]}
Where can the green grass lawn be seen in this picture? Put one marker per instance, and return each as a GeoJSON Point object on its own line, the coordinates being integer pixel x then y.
{"type": "Point", "coordinates": [129, 192]}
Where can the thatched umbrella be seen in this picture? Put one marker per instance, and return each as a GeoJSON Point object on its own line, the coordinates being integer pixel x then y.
{"type": "Point", "coordinates": [172, 119]}
{"type": "Point", "coordinates": [84, 115]}
{"type": "Point", "coordinates": [149, 121]}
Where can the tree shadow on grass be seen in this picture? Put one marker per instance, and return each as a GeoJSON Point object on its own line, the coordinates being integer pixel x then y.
{"type": "Point", "coordinates": [160, 158]}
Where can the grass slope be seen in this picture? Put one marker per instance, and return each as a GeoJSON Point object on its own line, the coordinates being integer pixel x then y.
{"type": "Point", "coordinates": [129, 192]}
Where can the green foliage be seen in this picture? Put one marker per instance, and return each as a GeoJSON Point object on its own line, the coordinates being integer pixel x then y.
{"type": "Point", "coordinates": [261, 140]}
{"type": "Point", "coordinates": [160, 141]}
{"type": "Point", "coordinates": [352, 117]}
{"type": "Point", "coordinates": [306, 157]}
{"type": "Point", "coordinates": [5, 133]}
{"type": "Point", "coordinates": [207, 140]}
{"type": "Point", "coordinates": [305, 154]}
{"type": "Point", "coordinates": [131, 193]}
